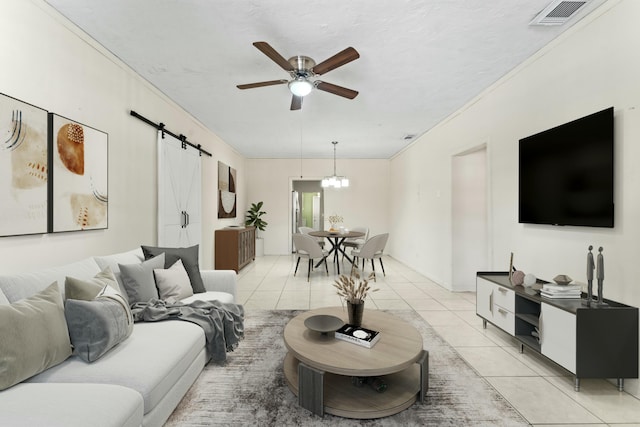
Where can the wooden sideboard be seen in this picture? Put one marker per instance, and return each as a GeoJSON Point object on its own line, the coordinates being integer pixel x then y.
{"type": "Point", "coordinates": [234, 248]}
{"type": "Point", "coordinates": [589, 342]}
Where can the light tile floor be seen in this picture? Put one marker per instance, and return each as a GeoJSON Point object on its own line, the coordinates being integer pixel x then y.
{"type": "Point", "coordinates": [540, 390]}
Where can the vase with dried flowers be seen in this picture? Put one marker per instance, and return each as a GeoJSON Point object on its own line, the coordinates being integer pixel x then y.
{"type": "Point", "coordinates": [353, 289]}
{"type": "Point", "coordinates": [334, 220]}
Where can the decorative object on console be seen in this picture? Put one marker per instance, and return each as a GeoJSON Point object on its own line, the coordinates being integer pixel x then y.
{"type": "Point", "coordinates": [24, 166]}
{"type": "Point", "coordinates": [517, 278]}
{"type": "Point", "coordinates": [562, 279]}
{"type": "Point", "coordinates": [600, 276]}
{"type": "Point", "coordinates": [567, 291]}
{"type": "Point", "coordinates": [529, 280]}
{"type": "Point", "coordinates": [78, 176]}
{"type": "Point", "coordinates": [354, 290]}
{"type": "Point", "coordinates": [590, 267]}
{"type": "Point", "coordinates": [511, 269]}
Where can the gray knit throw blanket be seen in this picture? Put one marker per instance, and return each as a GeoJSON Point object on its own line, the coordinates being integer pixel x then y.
{"type": "Point", "coordinates": [223, 323]}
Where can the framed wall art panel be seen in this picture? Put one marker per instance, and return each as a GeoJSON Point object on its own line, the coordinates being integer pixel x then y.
{"type": "Point", "coordinates": [23, 168]}
{"type": "Point", "coordinates": [226, 191]}
{"type": "Point", "coordinates": [78, 177]}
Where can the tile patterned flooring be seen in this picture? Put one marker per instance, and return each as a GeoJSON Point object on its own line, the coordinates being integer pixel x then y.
{"type": "Point", "coordinates": [540, 390]}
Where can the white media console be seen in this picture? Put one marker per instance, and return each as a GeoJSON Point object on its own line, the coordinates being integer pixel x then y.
{"type": "Point", "coordinates": [589, 342]}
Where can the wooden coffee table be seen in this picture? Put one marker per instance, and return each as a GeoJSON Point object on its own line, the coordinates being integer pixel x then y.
{"type": "Point", "coordinates": [318, 368]}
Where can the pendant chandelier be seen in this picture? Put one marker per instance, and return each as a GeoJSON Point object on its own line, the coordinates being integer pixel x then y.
{"type": "Point", "coordinates": [335, 181]}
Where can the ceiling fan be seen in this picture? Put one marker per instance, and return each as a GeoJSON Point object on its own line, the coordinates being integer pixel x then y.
{"type": "Point", "coordinates": [303, 71]}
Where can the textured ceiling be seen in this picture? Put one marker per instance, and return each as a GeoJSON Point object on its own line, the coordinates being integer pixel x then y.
{"type": "Point", "coordinates": [420, 60]}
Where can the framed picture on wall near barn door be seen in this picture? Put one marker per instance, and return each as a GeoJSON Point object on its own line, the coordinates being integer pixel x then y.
{"type": "Point", "coordinates": [226, 191]}
{"type": "Point", "coordinates": [23, 168]}
{"type": "Point", "coordinates": [78, 176]}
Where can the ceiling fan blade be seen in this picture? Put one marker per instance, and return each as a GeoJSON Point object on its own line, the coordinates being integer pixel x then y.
{"type": "Point", "coordinates": [337, 60]}
{"type": "Point", "coordinates": [266, 48]}
{"type": "Point", "coordinates": [296, 102]}
{"type": "Point", "coordinates": [336, 90]}
{"type": "Point", "coordinates": [261, 84]}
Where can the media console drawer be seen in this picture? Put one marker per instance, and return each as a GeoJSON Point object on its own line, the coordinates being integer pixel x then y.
{"type": "Point", "coordinates": [495, 304]}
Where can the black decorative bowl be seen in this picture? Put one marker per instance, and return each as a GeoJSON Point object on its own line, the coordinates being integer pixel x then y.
{"type": "Point", "coordinates": [323, 323]}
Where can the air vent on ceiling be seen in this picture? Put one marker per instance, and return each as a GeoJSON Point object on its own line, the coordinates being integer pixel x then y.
{"type": "Point", "coordinates": [558, 12]}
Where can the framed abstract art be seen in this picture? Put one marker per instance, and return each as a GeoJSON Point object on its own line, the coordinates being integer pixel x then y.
{"type": "Point", "coordinates": [226, 191]}
{"type": "Point", "coordinates": [23, 168]}
{"type": "Point", "coordinates": [78, 191]}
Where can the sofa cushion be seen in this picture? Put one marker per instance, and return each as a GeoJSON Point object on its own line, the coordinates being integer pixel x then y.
{"type": "Point", "coordinates": [151, 361]}
{"type": "Point", "coordinates": [173, 283]}
{"type": "Point", "coordinates": [112, 261]}
{"type": "Point", "coordinates": [96, 326]}
{"type": "Point", "coordinates": [88, 289]}
{"type": "Point", "coordinates": [71, 405]}
{"type": "Point", "coordinates": [34, 336]}
{"type": "Point", "coordinates": [138, 279]}
{"type": "Point", "coordinates": [23, 285]}
{"type": "Point", "coordinates": [189, 257]}
{"type": "Point", "coordinates": [134, 256]}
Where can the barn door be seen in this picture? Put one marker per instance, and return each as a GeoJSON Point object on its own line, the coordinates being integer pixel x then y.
{"type": "Point", "coordinates": [179, 193]}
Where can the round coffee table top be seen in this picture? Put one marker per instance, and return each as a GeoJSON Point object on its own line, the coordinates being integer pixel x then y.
{"type": "Point", "coordinates": [399, 347]}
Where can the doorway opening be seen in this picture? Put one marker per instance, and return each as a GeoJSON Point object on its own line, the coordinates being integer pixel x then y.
{"type": "Point", "coordinates": [307, 206]}
{"type": "Point", "coordinates": [470, 230]}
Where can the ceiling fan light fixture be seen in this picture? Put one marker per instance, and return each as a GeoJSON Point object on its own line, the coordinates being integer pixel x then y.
{"type": "Point", "coordinates": [300, 86]}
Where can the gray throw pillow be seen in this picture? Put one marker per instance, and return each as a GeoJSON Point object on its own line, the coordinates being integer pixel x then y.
{"type": "Point", "coordinates": [96, 326]}
{"type": "Point", "coordinates": [189, 257]}
{"type": "Point", "coordinates": [34, 336]}
{"type": "Point", "coordinates": [138, 279]}
{"type": "Point", "coordinates": [173, 283]}
{"type": "Point", "coordinates": [89, 289]}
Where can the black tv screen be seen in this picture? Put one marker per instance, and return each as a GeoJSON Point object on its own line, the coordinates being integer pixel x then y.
{"type": "Point", "coordinates": [566, 174]}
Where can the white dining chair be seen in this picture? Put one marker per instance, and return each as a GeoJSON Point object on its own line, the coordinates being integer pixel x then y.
{"type": "Point", "coordinates": [307, 247]}
{"type": "Point", "coordinates": [356, 242]}
{"type": "Point", "coordinates": [307, 230]}
{"type": "Point", "coordinates": [372, 249]}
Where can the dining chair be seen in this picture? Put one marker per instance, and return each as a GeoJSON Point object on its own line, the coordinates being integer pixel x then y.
{"type": "Point", "coordinates": [356, 242]}
{"type": "Point", "coordinates": [307, 247]}
{"type": "Point", "coordinates": [372, 249]}
{"type": "Point", "coordinates": [307, 230]}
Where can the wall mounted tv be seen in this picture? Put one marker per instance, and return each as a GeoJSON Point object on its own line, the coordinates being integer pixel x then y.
{"type": "Point", "coordinates": [566, 174]}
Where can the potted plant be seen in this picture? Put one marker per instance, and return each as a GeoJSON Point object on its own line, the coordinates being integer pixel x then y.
{"type": "Point", "coordinates": [254, 218]}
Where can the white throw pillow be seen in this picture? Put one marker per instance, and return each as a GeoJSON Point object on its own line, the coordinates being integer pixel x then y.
{"type": "Point", "coordinates": [173, 283]}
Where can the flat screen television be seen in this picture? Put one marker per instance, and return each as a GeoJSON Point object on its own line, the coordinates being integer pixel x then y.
{"type": "Point", "coordinates": [566, 174]}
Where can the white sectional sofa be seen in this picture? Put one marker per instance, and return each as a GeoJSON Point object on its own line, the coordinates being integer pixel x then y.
{"type": "Point", "coordinates": [139, 382]}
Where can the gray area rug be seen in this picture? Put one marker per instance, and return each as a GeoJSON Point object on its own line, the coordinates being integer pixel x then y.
{"type": "Point", "coordinates": [251, 390]}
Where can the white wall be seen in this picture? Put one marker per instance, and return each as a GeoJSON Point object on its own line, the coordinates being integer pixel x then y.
{"type": "Point", "coordinates": [592, 66]}
{"type": "Point", "coordinates": [49, 63]}
{"type": "Point", "coordinates": [364, 202]}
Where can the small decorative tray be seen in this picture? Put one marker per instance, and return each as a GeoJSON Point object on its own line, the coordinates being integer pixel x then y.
{"type": "Point", "coordinates": [323, 323]}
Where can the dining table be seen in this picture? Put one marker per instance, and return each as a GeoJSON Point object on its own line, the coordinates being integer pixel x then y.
{"type": "Point", "coordinates": [336, 238]}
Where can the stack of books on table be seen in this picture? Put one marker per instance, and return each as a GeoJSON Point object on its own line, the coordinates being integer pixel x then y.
{"type": "Point", "coordinates": [358, 335]}
{"type": "Point", "coordinates": [549, 290]}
